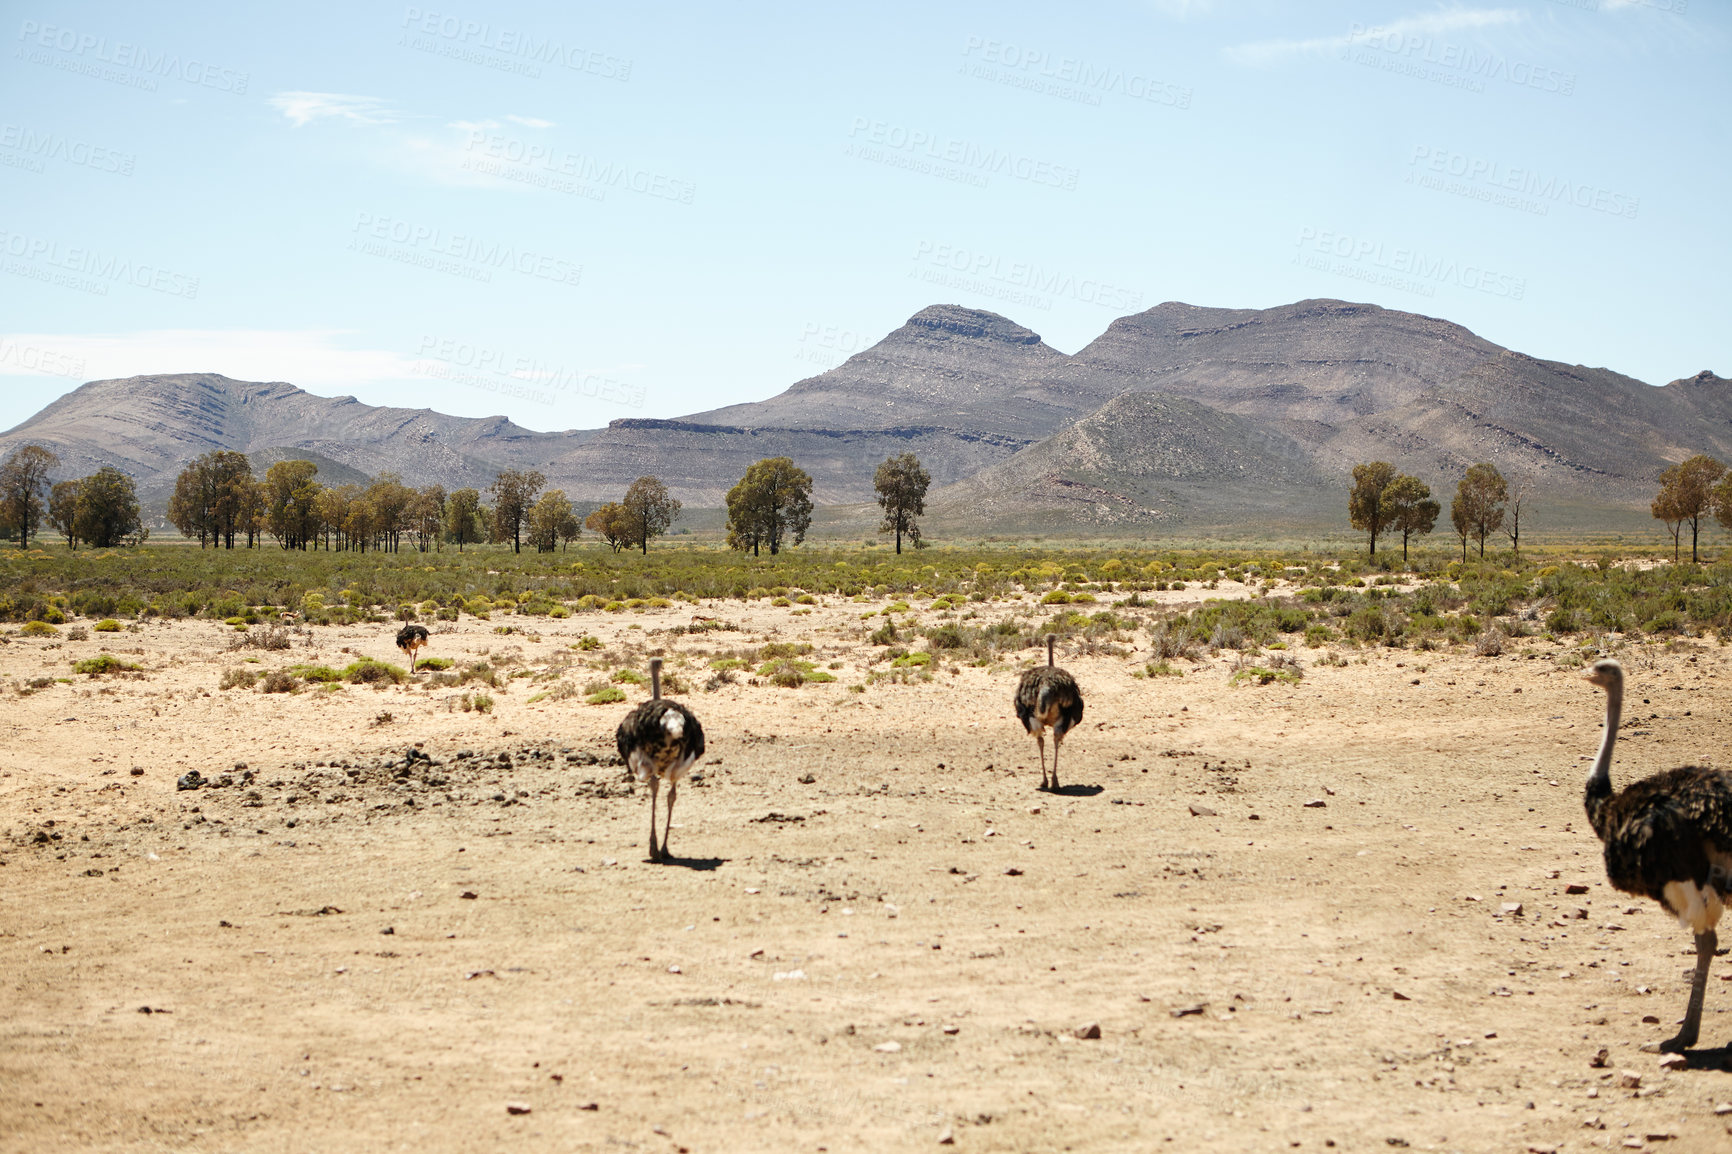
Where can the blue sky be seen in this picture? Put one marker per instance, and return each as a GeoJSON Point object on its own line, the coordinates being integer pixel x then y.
{"type": "Point", "coordinates": [569, 214]}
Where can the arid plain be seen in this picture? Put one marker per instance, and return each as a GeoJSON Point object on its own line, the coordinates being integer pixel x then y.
{"type": "Point", "coordinates": [1289, 910]}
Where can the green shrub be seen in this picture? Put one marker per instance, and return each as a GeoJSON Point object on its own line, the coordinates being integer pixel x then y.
{"type": "Point", "coordinates": [108, 625]}
{"type": "Point", "coordinates": [103, 663]}
{"type": "Point", "coordinates": [606, 695]}
{"type": "Point", "coordinates": [238, 679]}
{"type": "Point", "coordinates": [38, 629]}
{"type": "Point", "coordinates": [320, 674]}
{"type": "Point", "coordinates": [280, 681]}
{"type": "Point", "coordinates": [367, 671]}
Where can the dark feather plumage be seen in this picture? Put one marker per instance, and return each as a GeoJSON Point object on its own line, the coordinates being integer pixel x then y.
{"type": "Point", "coordinates": [1667, 837]}
{"type": "Point", "coordinates": [650, 749]}
{"type": "Point", "coordinates": [660, 740]}
{"type": "Point", "coordinates": [411, 637]}
{"type": "Point", "coordinates": [1658, 830]}
{"type": "Point", "coordinates": [1048, 696]}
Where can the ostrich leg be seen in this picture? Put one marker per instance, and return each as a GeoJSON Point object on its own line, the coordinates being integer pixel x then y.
{"type": "Point", "coordinates": [655, 788]}
{"type": "Point", "coordinates": [1057, 740]}
{"type": "Point", "coordinates": [1040, 738]}
{"type": "Point", "coordinates": [1686, 1038]}
{"type": "Point", "coordinates": [668, 821]}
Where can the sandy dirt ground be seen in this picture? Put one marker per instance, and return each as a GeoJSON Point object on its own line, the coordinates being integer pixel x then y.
{"type": "Point", "coordinates": [879, 934]}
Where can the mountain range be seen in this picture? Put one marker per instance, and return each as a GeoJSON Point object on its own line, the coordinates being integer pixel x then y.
{"type": "Point", "coordinates": [1177, 416]}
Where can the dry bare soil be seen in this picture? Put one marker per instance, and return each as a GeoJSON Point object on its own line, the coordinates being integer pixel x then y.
{"type": "Point", "coordinates": [879, 935]}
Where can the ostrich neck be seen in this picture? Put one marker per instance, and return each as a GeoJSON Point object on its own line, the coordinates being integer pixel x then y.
{"type": "Point", "coordinates": [1600, 777]}
{"type": "Point", "coordinates": [655, 685]}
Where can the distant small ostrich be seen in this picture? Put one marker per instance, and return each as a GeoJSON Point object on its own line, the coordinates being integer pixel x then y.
{"type": "Point", "coordinates": [409, 639]}
{"type": "Point", "coordinates": [1667, 837]}
{"type": "Point", "coordinates": [660, 740]}
{"type": "Point", "coordinates": [1048, 696]}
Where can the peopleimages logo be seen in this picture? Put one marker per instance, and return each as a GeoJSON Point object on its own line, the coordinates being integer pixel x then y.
{"type": "Point", "coordinates": [1022, 282]}
{"type": "Point", "coordinates": [88, 269]}
{"type": "Point", "coordinates": [458, 253]}
{"type": "Point", "coordinates": [1373, 261]}
{"type": "Point", "coordinates": [86, 52]}
{"type": "Point", "coordinates": [1519, 180]}
{"type": "Point", "coordinates": [39, 146]}
{"type": "Point", "coordinates": [1064, 77]}
{"type": "Point", "coordinates": [444, 34]}
{"type": "Point", "coordinates": [887, 143]}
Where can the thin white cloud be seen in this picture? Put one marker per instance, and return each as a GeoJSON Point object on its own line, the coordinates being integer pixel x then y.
{"type": "Point", "coordinates": [303, 108]}
{"type": "Point", "coordinates": [312, 358]}
{"type": "Point", "coordinates": [529, 121]}
{"type": "Point", "coordinates": [1182, 9]}
{"type": "Point", "coordinates": [1432, 23]}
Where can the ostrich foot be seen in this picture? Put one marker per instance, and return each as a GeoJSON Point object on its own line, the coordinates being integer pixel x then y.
{"type": "Point", "coordinates": [1677, 1045]}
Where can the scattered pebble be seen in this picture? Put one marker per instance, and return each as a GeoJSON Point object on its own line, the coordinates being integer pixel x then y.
{"type": "Point", "coordinates": [1316, 803]}
{"type": "Point", "coordinates": [517, 1107]}
{"type": "Point", "coordinates": [888, 1047]}
{"type": "Point", "coordinates": [946, 1138]}
{"type": "Point", "coordinates": [1202, 811]}
{"type": "Point", "coordinates": [1629, 1080]}
{"type": "Point", "coordinates": [1089, 1031]}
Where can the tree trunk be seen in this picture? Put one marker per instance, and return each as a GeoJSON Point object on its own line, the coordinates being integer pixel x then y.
{"type": "Point", "coordinates": [1695, 527]}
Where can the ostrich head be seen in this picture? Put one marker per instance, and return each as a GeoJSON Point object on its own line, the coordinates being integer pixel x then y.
{"type": "Point", "coordinates": [1608, 675]}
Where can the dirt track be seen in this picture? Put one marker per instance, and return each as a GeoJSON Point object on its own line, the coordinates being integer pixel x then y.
{"type": "Point", "coordinates": [1353, 978]}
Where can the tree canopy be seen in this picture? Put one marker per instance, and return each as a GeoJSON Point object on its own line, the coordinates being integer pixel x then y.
{"type": "Point", "coordinates": [1478, 507]}
{"type": "Point", "coordinates": [649, 510]}
{"type": "Point", "coordinates": [771, 505]}
{"type": "Point", "coordinates": [1687, 491]}
{"type": "Point", "coordinates": [901, 484]}
{"type": "Point", "coordinates": [1365, 503]}
{"type": "Point", "coordinates": [23, 483]}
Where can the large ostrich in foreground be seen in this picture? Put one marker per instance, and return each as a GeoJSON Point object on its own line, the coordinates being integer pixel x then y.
{"type": "Point", "coordinates": [409, 639]}
{"type": "Point", "coordinates": [1047, 695]}
{"type": "Point", "coordinates": [660, 740]}
{"type": "Point", "coordinates": [1668, 837]}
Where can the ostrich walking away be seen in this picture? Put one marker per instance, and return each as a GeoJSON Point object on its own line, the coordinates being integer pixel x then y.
{"type": "Point", "coordinates": [1668, 837]}
{"type": "Point", "coordinates": [409, 639]}
{"type": "Point", "coordinates": [660, 740]}
{"type": "Point", "coordinates": [1048, 696]}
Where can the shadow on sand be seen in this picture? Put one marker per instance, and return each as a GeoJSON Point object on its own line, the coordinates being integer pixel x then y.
{"type": "Point", "coordinates": [691, 863]}
{"type": "Point", "coordinates": [1078, 790]}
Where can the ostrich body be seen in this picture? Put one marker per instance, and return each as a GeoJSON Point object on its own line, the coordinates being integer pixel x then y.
{"type": "Point", "coordinates": [409, 639]}
{"type": "Point", "coordinates": [1667, 837]}
{"type": "Point", "coordinates": [660, 740]}
{"type": "Point", "coordinates": [1048, 696]}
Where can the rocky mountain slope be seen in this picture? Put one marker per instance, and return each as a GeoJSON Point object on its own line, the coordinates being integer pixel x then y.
{"type": "Point", "coordinates": [1176, 415]}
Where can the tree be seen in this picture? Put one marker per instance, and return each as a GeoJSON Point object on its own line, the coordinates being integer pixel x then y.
{"type": "Point", "coordinates": [513, 493]}
{"type": "Point", "coordinates": [107, 509]}
{"type": "Point", "coordinates": [63, 510]}
{"type": "Point", "coordinates": [1409, 509]}
{"type": "Point", "coordinates": [609, 523]}
{"type": "Point", "coordinates": [1519, 491]}
{"type": "Point", "coordinates": [901, 483]}
{"type": "Point", "coordinates": [427, 514]}
{"type": "Point", "coordinates": [1478, 508]}
{"type": "Point", "coordinates": [1365, 503]}
{"type": "Point", "coordinates": [23, 481]}
{"type": "Point", "coordinates": [1686, 492]}
{"type": "Point", "coordinates": [771, 504]}
{"type": "Point", "coordinates": [547, 518]}
{"type": "Point", "coordinates": [649, 509]}
{"type": "Point", "coordinates": [291, 500]}
{"type": "Point", "coordinates": [463, 518]}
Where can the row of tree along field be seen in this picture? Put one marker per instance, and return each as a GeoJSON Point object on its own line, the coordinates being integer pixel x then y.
{"type": "Point", "coordinates": [219, 501]}
{"type": "Point", "coordinates": [1385, 502]}
{"type": "Point", "coordinates": [100, 510]}
{"type": "Point", "coordinates": [958, 603]}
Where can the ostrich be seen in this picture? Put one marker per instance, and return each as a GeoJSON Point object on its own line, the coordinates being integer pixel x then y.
{"type": "Point", "coordinates": [1047, 695]}
{"type": "Point", "coordinates": [409, 639]}
{"type": "Point", "coordinates": [660, 740]}
{"type": "Point", "coordinates": [1667, 837]}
